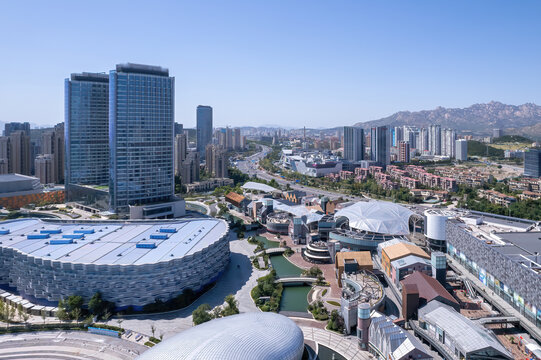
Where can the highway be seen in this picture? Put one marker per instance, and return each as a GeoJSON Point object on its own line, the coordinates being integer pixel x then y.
{"type": "Point", "coordinates": [250, 166]}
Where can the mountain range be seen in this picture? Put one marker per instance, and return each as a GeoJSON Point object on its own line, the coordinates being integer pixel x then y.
{"type": "Point", "coordinates": [479, 118]}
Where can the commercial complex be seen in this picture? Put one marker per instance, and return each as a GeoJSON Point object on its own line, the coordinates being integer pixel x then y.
{"type": "Point", "coordinates": [141, 123]}
{"type": "Point", "coordinates": [503, 253]}
{"type": "Point", "coordinates": [204, 128]}
{"type": "Point", "coordinates": [238, 337]}
{"type": "Point", "coordinates": [353, 143]}
{"type": "Point", "coordinates": [130, 263]}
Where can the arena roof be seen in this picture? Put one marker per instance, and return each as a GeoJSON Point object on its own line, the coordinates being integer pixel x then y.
{"type": "Point", "coordinates": [378, 217]}
{"type": "Point", "coordinates": [111, 242]}
{"type": "Point", "coordinates": [264, 336]}
{"type": "Point", "coordinates": [251, 185]}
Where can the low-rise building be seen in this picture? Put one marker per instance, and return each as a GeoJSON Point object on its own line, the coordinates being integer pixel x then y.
{"type": "Point", "coordinates": [208, 185]}
{"type": "Point", "coordinates": [350, 262]}
{"type": "Point", "coordinates": [461, 337]}
{"type": "Point", "coordinates": [400, 258]}
{"type": "Point", "coordinates": [497, 198]}
{"type": "Point", "coordinates": [17, 191]}
{"type": "Point", "coordinates": [389, 341]}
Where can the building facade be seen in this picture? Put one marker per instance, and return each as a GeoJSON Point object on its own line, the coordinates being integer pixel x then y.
{"type": "Point", "coordinates": [380, 145]}
{"type": "Point", "coordinates": [141, 126]}
{"type": "Point", "coordinates": [532, 163]}
{"type": "Point", "coordinates": [86, 130]}
{"type": "Point", "coordinates": [353, 143]}
{"type": "Point", "coordinates": [204, 128]}
{"type": "Point", "coordinates": [461, 149]}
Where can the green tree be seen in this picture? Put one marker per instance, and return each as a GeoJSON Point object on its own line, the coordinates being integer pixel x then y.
{"type": "Point", "coordinates": [201, 314]}
{"type": "Point", "coordinates": [74, 302]}
{"type": "Point", "coordinates": [231, 306]}
{"type": "Point", "coordinates": [95, 305]}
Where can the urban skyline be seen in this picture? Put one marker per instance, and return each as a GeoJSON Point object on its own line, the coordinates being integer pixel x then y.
{"type": "Point", "coordinates": [284, 75]}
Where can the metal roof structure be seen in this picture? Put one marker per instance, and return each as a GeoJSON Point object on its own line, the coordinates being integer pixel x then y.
{"type": "Point", "coordinates": [247, 336]}
{"type": "Point", "coordinates": [378, 217]}
{"type": "Point", "coordinates": [252, 185]}
{"type": "Point", "coordinates": [298, 211]}
{"type": "Point", "coordinates": [392, 340]}
{"type": "Point", "coordinates": [110, 242]}
{"type": "Point", "coordinates": [468, 335]}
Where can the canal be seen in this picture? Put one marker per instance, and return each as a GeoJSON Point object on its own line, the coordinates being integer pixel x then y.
{"type": "Point", "coordinates": [269, 244]}
{"type": "Point", "coordinates": [294, 297]}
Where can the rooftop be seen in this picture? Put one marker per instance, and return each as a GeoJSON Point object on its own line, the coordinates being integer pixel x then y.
{"type": "Point", "coordinates": [244, 336]}
{"type": "Point", "coordinates": [403, 249]}
{"type": "Point", "coordinates": [252, 185]}
{"type": "Point", "coordinates": [378, 217]}
{"type": "Point", "coordinates": [525, 243]}
{"type": "Point", "coordinates": [469, 335]}
{"type": "Point", "coordinates": [428, 287]}
{"type": "Point", "coordinates": [362, 258]}
{"type": "Point", "coordinates": [110, 242]}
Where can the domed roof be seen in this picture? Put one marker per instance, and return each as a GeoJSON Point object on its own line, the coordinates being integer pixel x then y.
{"type": "Point", "coordinates": [380, 217]}
{"type": "Point", "coordinates": [244, 336]}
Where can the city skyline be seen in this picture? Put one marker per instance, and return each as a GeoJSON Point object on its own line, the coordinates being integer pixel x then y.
{"type": "Point", "coordinates": [322, 64]}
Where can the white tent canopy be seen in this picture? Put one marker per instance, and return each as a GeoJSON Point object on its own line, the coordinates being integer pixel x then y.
{"type": "Point", "coordinates": [252, 185]}
{"type": "Point", "coordinates": [378, 217]}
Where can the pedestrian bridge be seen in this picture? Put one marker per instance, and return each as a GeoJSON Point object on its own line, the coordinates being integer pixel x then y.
{"type": "Point", "coordinates": [499, 320]}
{"type": "Point", "coordinates": [272, 251]}
{"type": "Point", "coordinates": [296, 279]}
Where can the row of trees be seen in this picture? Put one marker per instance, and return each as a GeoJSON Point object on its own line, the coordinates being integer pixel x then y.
{"type": "Point", "coordinates": [205, 313]}
{"type": "Point", "coordinates": [72, 308]}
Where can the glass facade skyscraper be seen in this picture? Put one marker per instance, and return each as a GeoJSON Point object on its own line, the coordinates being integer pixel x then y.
{"type": "Point", "coordinates": [380, 144]}
{"type": "Point", "coordinates": [141, 128]}
{"type": "Point", "coordinates": [204, 128]}
{"type": "Point", "coordinates": [532, 163]}
{"type": "Point", "coordinates": [86, 129]}
{"type": "Point", "coordinates": [353, 143]}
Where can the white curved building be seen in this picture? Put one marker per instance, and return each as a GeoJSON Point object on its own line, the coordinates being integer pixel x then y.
{"type": "Point", "coordinates": [248, 336]}
{"type": "Point", "coordinates": [435, 223]}
{"type": "Point", "coordinates": [380, 217]}
{"type": "Point", "coordinates": [132, 263]}
{"type": "Point", "coordinates": [365, 224]}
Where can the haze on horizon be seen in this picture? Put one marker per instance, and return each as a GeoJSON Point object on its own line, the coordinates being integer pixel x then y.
{"type": "Point", "coordinates": [293, 64]}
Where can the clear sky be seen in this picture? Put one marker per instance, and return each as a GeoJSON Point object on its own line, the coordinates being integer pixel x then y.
{"type": "Point", "coordinates": [291, 63]}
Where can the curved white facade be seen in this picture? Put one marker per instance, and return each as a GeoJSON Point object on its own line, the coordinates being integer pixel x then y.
{"type": "Point", "coordinates": [248, 336]}
{"type": "Point", "coordinates": [435, 225]}
{"type": "Point", "coordinates": [377, 217]}
{"type": "Point", "coordinates": [130, 263]}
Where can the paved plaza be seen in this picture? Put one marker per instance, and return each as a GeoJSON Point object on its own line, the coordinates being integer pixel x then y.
{"type": "Point", "coordinates": [239, 278]}
{"type": "Point", "coordinates": [67, 345]}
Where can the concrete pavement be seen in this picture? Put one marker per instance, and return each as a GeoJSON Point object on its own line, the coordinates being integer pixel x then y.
{"type": "Point", "coordinates": [345, 345]}
{"type": "Point", "coordinates": [238, 281]}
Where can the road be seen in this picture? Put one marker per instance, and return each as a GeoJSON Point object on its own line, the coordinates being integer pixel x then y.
{"type": "Point", "coordinates": [250, 166]}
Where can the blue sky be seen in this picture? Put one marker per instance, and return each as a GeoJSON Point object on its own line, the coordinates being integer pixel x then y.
{"type": "Point", "coordinates": [291, 63]}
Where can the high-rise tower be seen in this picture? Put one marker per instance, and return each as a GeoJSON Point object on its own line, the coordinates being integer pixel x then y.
{"type": "Point", "coordinates": [141, 127]}
{"type": "Point", "coordinates": [204, 128]}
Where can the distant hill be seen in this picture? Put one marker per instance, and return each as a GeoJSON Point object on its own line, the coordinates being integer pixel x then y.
{"type": "Point", "coordinates": [481, 118]}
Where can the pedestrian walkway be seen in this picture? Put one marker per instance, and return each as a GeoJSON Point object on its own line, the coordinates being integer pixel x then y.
{"type": "Point", "coordinates": [504, 307]}
{"type": "Point", "coordinates": [346, 346]}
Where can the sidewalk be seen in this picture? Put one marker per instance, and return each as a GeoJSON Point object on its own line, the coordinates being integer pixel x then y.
{"type": "Point", "coordinates": [497, 301]}
{"type": "Point", "coordinates": [346, 346]}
